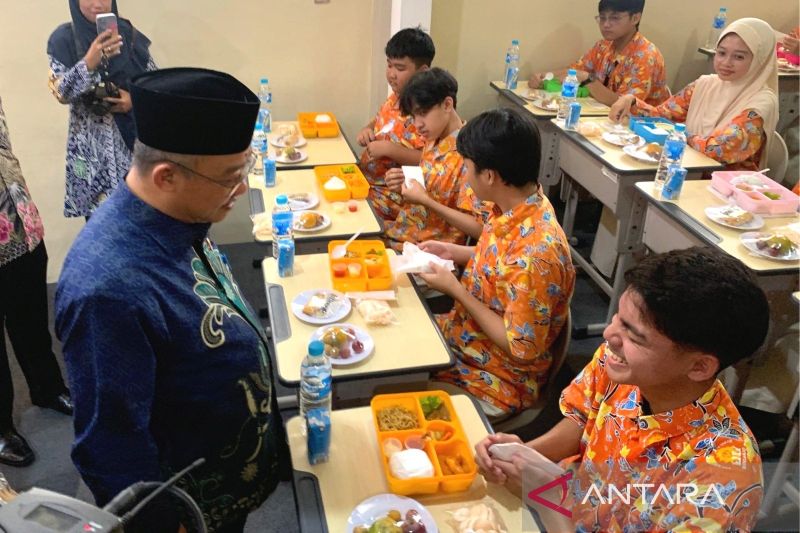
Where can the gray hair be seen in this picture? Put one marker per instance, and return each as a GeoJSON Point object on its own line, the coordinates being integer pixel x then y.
{"type": "Point", "coordinates": [145, 157]}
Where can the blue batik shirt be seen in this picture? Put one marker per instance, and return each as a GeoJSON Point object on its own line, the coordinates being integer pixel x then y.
{"type": "Point", "coordinates": [165, 362]}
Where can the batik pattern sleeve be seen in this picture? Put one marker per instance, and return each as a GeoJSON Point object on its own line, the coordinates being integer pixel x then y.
{"type": "Point", "coordinates": [675, 108]}
{"type": "Point", "coordinates": [69, 84]}
{"type": "Point", "coordinates": [580, 400]}
{"type": "Point", "coordinates": [739, 141]}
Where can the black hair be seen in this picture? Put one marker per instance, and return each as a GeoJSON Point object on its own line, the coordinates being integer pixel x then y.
{"type": "Point", "coordinates": [622, 6]}
{"type": "Point", "coordinates": [503, 140]}
{"type": "Point", "coordinates": [427, 88]}
{"type": "Point", "coordinates": [703, 299]}
{"type": "Point", "coordinates": [412, 43]}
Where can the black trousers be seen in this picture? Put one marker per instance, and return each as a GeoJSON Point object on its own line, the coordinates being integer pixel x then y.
{"type": "Point", "coordinates": [23, 310]}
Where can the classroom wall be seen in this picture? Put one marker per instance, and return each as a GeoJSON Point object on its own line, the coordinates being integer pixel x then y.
{"type": "Point", "coordinates": [471, 37]}
{"type": "Point", "coordinates": [317, 57]}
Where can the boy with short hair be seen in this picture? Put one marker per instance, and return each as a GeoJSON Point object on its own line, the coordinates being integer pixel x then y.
{"type": "Point", "coordinates": [390, 139]}
{"type": "Point", "coordinates": [513, 298]}
{"type": "Point", "coordinates": [430, 98]}
{"type": "Point", "coordinates": [647, 415]}
{"type": "Point", "coordinates": [623, 61]}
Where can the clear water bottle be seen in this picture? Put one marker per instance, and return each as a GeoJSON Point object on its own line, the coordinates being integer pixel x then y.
{"type": "Point", "coordinates": [569, 94]}
{"type": "Point", "coordinates": [270, 171]}
{"type": "Point", "coordinates": [315, 401]}
{"type": "Point", "coordinates": [671, 154]}
{"type": "Point", "coordinates": [512, 65]}
{"type": "Point", "coordinates": [716, 27]}
{"type": "Point", "coordinates": [260, 147]}
{"type": "Point", "coordinates": [281, 221]}
{"type": "Point", "coordinates": [265, 98]}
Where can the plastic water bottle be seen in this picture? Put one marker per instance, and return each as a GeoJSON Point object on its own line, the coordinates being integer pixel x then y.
{"type": "Point", "coordinates": [676, 175]}
{"type": "Point", "coordinates": [716, 27]}
{"type": "Point", "coordinates": [281, 221]}
{"type": "Point", "coordinates": [315, 401]}
{"type": "Point", "coordinates": [260, 147]}
{"type": "Point", "coordinates": [512, 65]}
{"type": "Point", "coordinates": [671, 154]}
{"type": "Point", "coordinates": [265, 98]}
{"type": "Point", "coordinates": [270, 171]}
{"type": "Point", "coordinates": [569, 94]}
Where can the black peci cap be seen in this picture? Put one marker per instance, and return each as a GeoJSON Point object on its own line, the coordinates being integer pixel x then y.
{"type": "Point", "coordinates": [193, 111]}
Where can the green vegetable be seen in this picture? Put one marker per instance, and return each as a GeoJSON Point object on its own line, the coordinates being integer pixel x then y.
{"type": "Point", "coordinates": [430, 404]}
{"type": "Point", "coordinates": [349, 169]}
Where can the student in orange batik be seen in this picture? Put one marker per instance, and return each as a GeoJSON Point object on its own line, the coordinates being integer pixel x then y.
{"type": "Point", "coordinates": [623, 61]}
{"type": "Point", "coordinates": [513, 297]}
{"type": "Point", "coordinates": [731, 115]}
{"type": "Point", "coordinates": [647, 416]}
{"type": "Point", "coordinates": [447, 215]}
{"type": "Point", "coordinates": [390, 139]}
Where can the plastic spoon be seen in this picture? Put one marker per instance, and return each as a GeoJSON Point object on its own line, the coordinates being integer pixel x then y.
{"type": "Point", "coordinates": [340, 250]}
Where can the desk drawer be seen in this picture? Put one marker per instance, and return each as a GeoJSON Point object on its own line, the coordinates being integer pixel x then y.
{"type": "Point", "coordinates": [661, 233]}
{"type": "Point", "coordinates": [590, 173]}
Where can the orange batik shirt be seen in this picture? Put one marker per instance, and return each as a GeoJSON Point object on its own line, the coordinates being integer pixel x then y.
{"type": "Point", "coordinates": [703, 450]}
{"type": "Point", "coordinates": [638, 69]}
{"type": "Point", "coordinates": [390, 125]}
{"type": "Point", "coordinates": [523, 272]}
{"type": "Point", "coordinates": [445, 181]}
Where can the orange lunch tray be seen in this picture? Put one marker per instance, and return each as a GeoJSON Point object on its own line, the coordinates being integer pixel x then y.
{"type": "Point", "coordinates": [365, 268]}
{"type": "Point", "coordinates": [356, 184]}
{"type": "Point", "coordinates": [453, 448]}
{"type": "Point", "coordinates": [312, 127]}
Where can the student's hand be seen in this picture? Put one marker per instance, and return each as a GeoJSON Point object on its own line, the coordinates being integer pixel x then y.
{"type": "Point", "coordinates": [437, 248]}
{"type": "Point", "coordinates": [486, 465]}
{"type": "Point", "coordinates": [394, 179]}
{"type": "Point", "coordinates": [535, 81]}
{"type": "Point", "coordinates": [415, 194]}
{"type": "Point", "coordinates": [105, 44]}
{"type": "Point", "coordinates": [621, 108]}
{"type": "Point", "coordinates": [122, 104]}
{"type": "Point", "coordinates": [376, 149]}
{"type": "Point", "coordinates": [441, 279]}
{"type": "Point", "coordinates": [366, 136]}
{"type": "Point", "coordinates": [791, 44]}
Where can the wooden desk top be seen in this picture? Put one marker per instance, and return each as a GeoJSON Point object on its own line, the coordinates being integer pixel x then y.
{"type": "Point", "coordinates": [412, 345]}
{"type": "Point", "coordinates": [615, 158]}
{"type": "Point", "coordinates": [589, 106]}
{"type": "Point", "coordinates": [695, 197]}
{"type": "Point", "coordinates": [354, 472]}
{"type": "Point", "coordinates": [342, 224]}
{"type": "Point", "coordinates": [321, 151]}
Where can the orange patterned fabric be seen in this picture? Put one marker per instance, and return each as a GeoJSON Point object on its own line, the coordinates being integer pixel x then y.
{"type": "Point", "coordinates": [638, 69]}
{"type": "Point", "coordinates": [390, 125]}
{"type": "Point", "coordinates": [704, 445]}
{"type": "Point", "coordinates": [445, 181]}
{"type": "Point", "coordinates": [523, 271]}
{"type": "Point", "coordinates": [737, 145]}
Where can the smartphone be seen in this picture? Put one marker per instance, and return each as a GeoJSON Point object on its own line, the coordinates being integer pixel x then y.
{"type": "Point", "coordinates": [106, 21]}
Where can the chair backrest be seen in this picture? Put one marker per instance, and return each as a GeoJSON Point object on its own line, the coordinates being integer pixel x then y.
{"type": "Point", "coordinates": [777, 158]}
{"type": "Point", "coordinates": [559, 349]}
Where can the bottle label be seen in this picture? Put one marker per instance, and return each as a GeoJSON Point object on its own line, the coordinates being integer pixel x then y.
{"type": "Point", "coordinates": [674, 149]}
{"type": "Point", "coordinates": [719, 23]}
{"type": "Point", "coordinates": [316, 388]}
{"type": "Point", "coordinates": [569, 90]}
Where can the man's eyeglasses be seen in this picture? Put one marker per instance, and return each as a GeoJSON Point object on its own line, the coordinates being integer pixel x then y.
{"type": "Point", "coordinates": [226, 184]}
{"type": "Point", "coordinates": [611, 19]}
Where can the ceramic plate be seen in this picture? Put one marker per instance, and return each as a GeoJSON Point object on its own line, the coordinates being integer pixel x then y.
{"type": "Point", "coordinates": [301, 201]}
{"type": "Point", "coordinates": [622, 138]}
{"type": "Point", "coordinates": [717, 214]}
{"type": "Point", "coordinates": [378, 506]}
{"type": "Point", "coordinates": [361, 335]}
{"type": "Point", "coordinates": [338, 308]}
{"type": "Point", "coordinates": [324, 222]}
{"type": "Point", "coordinates": [751, 240]}
{"type": "Point", "coordinates": [276, 139]}
{"type": "Point", "coordinates": [280, 158]}
{"type": "Point", "coordinates": [552, 105]}
{"type": "Point", "coordinates": [636, 153]}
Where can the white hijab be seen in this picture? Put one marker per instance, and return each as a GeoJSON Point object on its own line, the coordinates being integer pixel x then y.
{"type": "Point", "coordinates": [716, 103]}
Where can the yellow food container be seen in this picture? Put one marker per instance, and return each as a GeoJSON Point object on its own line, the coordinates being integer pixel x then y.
{"type": "Point", "coordinates": [356, 185]}
{"type": "Point", "coordinates": [311, 126]}
{"type": "Point", "coordinates": [375, 273]}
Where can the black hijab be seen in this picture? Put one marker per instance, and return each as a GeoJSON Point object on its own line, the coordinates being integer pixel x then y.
{"type": "Point", "coordinates": [70, 41]}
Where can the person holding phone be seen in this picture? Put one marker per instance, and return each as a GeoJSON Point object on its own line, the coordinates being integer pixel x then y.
{"type": "Point", "coordinates": [89, 70]}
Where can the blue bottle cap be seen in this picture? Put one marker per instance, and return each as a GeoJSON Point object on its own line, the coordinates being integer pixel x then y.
{"type": "Point", "coordinates": [723, 9]}
{"type": "Point", "coordinates": [680, 128]}
{"type": "Point", "coordinates": [264, 80]}
{"type": "Point", "coordinates": [316, 348]}
{"type": "Point", "coordinates": [281, 199]}
{"type": "Point", "coordinates": [572, 72]}
{"type": "Point", "coordinates": [515, 41]}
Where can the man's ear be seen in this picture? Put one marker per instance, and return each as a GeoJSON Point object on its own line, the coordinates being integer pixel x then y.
{"type": "Point", "coordinates": [447, 103]}
{"type": "Point", "coordinates": [636, 18]}
{"type": "Point", "coordinates": [164, 176]}
{"type": "Point", "coordinates": [704, 367]}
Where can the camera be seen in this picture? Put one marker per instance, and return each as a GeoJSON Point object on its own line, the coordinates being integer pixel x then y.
{"type": "Point", "coordinates": [93, 99]}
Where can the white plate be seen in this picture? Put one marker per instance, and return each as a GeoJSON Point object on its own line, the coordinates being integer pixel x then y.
{"type": "Point", "coordinates": [716, 213]}
{"type": "Point", "coordinates": [749, 240]}
{"type": "Point", "coordinates": [326, 222]}
{"type": "Point", "coordinates": [363, 336]}
{"type": "Point", "coordinates": [280, 158]}
{"type": "Point", "coordinates": [276, 139]}
{"type": "Point", "coordinates": [612, 137]}
{"type": "Point", "coordinates": [538, 104]}
{"type": "Point", "coordinates": [337, 310]}
{"type": "Point", "coordinates": [636, 153]}
{"type": "Point", "coordinates": [378, 506]}
{"type": "Point", "coordinates": [301, 201]}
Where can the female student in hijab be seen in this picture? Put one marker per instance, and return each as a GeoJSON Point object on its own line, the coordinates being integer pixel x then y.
{"type": "Point", "coordinates": [730, 116]}
{"type": "Point", "coordinates": [83, 64]}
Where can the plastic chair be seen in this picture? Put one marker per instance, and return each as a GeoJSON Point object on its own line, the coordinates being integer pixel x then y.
{"type": "Point", "coordinates": [559, 351]}
{"type": "Point", "coordinates": [777, 158]}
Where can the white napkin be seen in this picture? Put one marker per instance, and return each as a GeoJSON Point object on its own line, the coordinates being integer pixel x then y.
{"type": "Point", "coordinates": [414, 260]}
{"type": "Point", "coordinates": [413, 173]}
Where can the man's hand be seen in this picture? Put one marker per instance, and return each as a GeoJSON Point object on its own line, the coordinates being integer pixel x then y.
{"type": "Point", "coordinates": [486, 465]}
{"type": "Point", "coordinates": [122, 104]}
{"type": "Point", "coordinates": [437, 248]}
{"type": "Point", "coordinates": [535, 81]}
{"type": "Point", "coordinates": [441, 280]}
{"type": "Point", "coordinates": [621, 108]}
{"type": "Point", "coordinates": [376, 149]}
{"type": "Point", "coordinates": [394, 179]}
{"type": "Point", "coordinates": [366, 136]}
{"type": "Point", "coordinates": [415, 194]}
